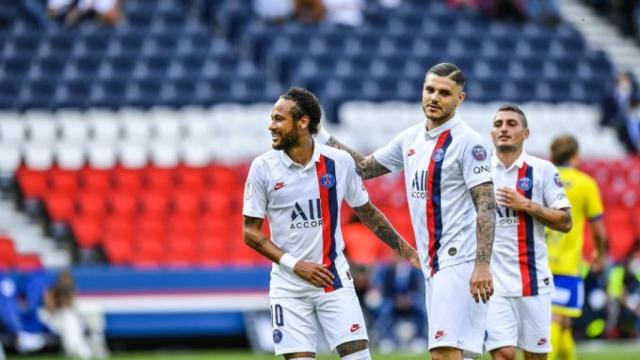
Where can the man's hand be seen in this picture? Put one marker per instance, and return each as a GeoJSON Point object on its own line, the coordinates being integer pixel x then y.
{"type": "Point", "coordinates": [481, 283]}
{"type": "Point", "coordinates": [317, 274]}
{"type": "Point", "coordinates": [510, 198]}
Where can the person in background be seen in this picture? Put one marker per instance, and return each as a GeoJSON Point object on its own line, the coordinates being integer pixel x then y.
{"type": "Point", "coordinates": [400, 290]}
{"type": "Point", "coordinates": [81, 337]}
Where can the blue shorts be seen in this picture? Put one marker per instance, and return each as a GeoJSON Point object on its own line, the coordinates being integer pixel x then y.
{"type": "Point", "coordinates": [568, 297]}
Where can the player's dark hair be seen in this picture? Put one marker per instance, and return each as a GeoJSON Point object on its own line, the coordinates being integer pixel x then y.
{"type": "Point", "coordinates": [563, 148]}
{"type": "Point", "coordinates": [516, 109]}
{"type": "Point", "coordinates": [450, 71]}
{"type": "Point", "coordinates": [306, 104]}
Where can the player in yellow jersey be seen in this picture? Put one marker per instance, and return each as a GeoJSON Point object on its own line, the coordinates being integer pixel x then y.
{"type": "Point", "coordinates": [565, 250]}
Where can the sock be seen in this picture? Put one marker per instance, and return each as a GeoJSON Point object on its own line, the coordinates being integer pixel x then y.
{"type": "Point", "coordinates": [568, 345]}
{"type": "Point", "coordinates": [358, 355]}
{"type": "Point", "coordinates": [556, 341]}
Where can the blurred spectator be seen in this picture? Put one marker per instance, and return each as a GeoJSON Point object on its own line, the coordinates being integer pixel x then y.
{"type": "Point", "coordinates": [618, 110]}
{"type": "Point", "coordinates": [508, 10]}
{"type": "Point", "coordinates": [344, 12]}
{"type": "Point", "coordinates": [11, 320]}
{"type": "Point", "coordinates": [71, 12]}
{"type": "Point", "coordinates": [623, 13]}
{"type": "Point", "coordinates": [309, 11]}
{"type": "Point", "coordinates": [544, 12]}
{"type": "Point", "coordinates": [81, 337]}
{"type": "Point", "coordinates": [624, 289]}
{"type": "Point", "coordinates": [397, 295]}
{"type": "Point", "coordinates": [275, 11]}
{"type": "Point", "coordinates": [32, 10]}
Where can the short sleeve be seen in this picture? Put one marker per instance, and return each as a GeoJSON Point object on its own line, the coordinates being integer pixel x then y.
{"type": "Point", "coordinates": [356, 194]}
{"type": "Point", "coordinates": [554, 195]}
{"type": "Point", "coordinates": [594, 209]}
{"type": "Point", "coordinates": [390, 155]}
{"type": "Point", "coordinates": [255, 191]}
{"type": "Point", "coordinates": [476, 162]}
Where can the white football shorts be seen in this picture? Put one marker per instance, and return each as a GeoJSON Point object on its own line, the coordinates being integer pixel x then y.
{"type": "Point", "coordinates": [523, 322]}
{"type": "Point", "coordinates": [296, 320]}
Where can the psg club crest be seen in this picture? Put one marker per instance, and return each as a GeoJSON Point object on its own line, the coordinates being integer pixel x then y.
{"type": "Point", "coordinates": [438, 155]}
{"type": "Point", "coordinates": [524, 184]}
{"type": "Point", "coordinates": [556, 179]}
{"type": "Point", "coordinates": [479, 153]}
{"type": "Point", "coordinates": [327, 181]}
{"type": "Point", "coordinates": [277, 336]}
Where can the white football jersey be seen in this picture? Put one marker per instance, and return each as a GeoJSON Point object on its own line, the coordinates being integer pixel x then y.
{"type": "Point", "coordinates": [519, 259]}
{"type": "Point", "coordinates": [440, 166]}
{"type": "Point", "coordinates": [302, 204]}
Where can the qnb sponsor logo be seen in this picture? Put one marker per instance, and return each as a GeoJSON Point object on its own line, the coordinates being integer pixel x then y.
{"type": "Point", "coordinates": [306, 216]}
{"type": "Point", "coordinates": [506, 216]}
{"type": "Point", "coordinates": [419, 185]}
{"type": "Point", "coordinates": [481, 169]}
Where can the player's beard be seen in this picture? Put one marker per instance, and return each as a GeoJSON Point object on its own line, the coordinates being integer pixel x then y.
{"type": "Point", "coordinates": [445, 115]}
{"type": "Point", "coordinates": [506, 148]}
{"type": "Point", "coordinates": [287, 140]}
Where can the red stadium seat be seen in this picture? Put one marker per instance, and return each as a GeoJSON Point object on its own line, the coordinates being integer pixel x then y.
{"type": "Point", "coordinates": [92, 204]}
{"type": "Point", "coordinates": [184, 225]}
{"type": "Point", "coordinates": [212, 252]}
{"type": "Point", "coordinates": [223, 177]}
{"type": "Point", "coordinates": [621, 241]}
{"type": "Point", "coordinates": [148, 254]}
{"type": "Point", "coordinates": [119, 252]}
{"type": "Point", "coordinates": [128, 180]}
{"type": "Point", "coordinates": [7, 253]}
{"type": "Point", "coordinates": [60, 206]}
{"type": "Point", "coordinates": [159, 179]}
{"type": "Point", "coordinates": [155, 204]}
{"type": "Point", "coordinates": [186, 203]}
{"type": "Point", "coordinates": [218, 202]}
{"type": "Point", "coordinates": [119, 229]}
{"type": "Point", "coordinates": [151, 229]}
{"type": "Point", "coordinates": [87, 231]}
{"type": "Point", "coordinates": [181, 251]}
{"type": "Point", "coordinates": [33, 183]}
{"type": "Point", "coordinates": [95, 180]}
{"type": "Point", "coordinates": [64, 181]}
{"type": "Point", "coordinates": [123, 205]}
{"type": "Point", "coordinates": [191, 178]}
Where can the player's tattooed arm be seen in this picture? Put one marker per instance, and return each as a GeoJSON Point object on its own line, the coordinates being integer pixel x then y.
{"type": "Point", "coordinates": [317, 274]}
{"type": "Point", "coordinates": [257, 240]}
{"type": "Point", "coordinates": [379, 225]}
{"type": "Point", "coordinates": [367, 166]}
{"type": "Point", "coordinates": [485, 204]}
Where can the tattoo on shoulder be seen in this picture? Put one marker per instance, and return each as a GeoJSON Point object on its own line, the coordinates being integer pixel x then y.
{"type": "Point", "coordinates": [366, 166]}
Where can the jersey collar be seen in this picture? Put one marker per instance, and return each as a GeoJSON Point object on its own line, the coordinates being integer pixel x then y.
{"type": "Point", "coordinates": [314, 158]}
{"type": "Point", "coordinates": [518, 163]}
{"type": "Point", "coordinates": [449, 124]}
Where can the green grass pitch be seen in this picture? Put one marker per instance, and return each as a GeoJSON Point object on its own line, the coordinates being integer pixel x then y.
{"type": "Point", "coordinates": [607, 351]}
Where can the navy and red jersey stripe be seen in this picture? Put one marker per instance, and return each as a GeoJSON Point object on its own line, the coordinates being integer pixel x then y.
{"type": "Point", "coordinates": [434, 199]}
{"type": "Point", "coordinates": [526, 245]}
{"type": "Point", "coordinates": [329, 205]}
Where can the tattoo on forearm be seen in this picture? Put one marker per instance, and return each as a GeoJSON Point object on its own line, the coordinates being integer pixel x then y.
{"type": "Point", "coordinates": [367, 166]}
{"type": "Point", "coordinates": [379, 225]}
{"type": "Point", "coordinates": [485, 204]}
{"type": "Point", "coordinates": [250, 222]}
